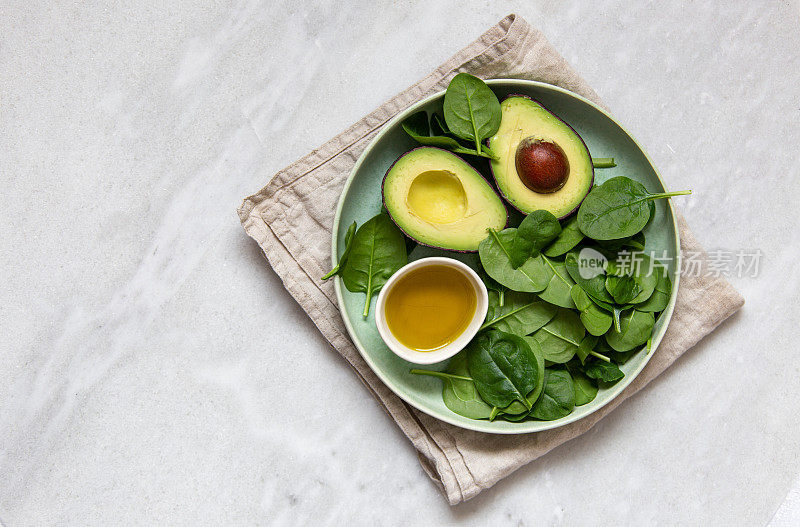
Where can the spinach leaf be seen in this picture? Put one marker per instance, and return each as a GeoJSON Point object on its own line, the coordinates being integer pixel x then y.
{"type": "Point", "coordinates": [503, 366]}
{"type": "Point", "coordinates": [417, 127]}
{"type": "Point", "coordinates": [561, 337]}
{"type": "Point", "coordinates": [618, 208]}
{"type": "Point", "coordinates": [443, 375]}
{"type": "Point", "coordinates": [438, 126]}
{"type": "Point", "coordinates": [640, 268]}
{"type": "Point", "coordinates": [606, 353]}
{"type": "Point", "coordinates": [585, 388]}
{"type": "Point", "coordinates": [471, 109]}
{"type": "Point", "coordinates": [459, 393]}
{"type": "Point", "coordinates": [567, 239]}
{"type": "Point", "coordinates": [622, 288]}
{"type": "Point", "coordinates": [461, 396]}
{"type": "Point", "coordinates": [595, 287]}
{"type": "Point", "coordinates": [660, 298]}
{"type": "Point", "coordinates": [558, 396]}
{"type": "Point", "coordinates": [537, 230]}
{"type": "Point", "coordinates": [378, 251]}
{"type": "Point", "coordinates": [521, 314]}
{"type": "Point", "coordinates": [517, 411]}
{"type": "Point", "coordinates": [621, 357]}
{"type": "Point", "coordinates": [635, 328]}
{"type": "Point", "coordinates": [589, 346]}
{"type": "Point", "coordinates": [586, 347]}
{"type": "Point", "coordinates": [558, 289]}
{"type": "Point", "coordinates": [603, 371]}
{"type": "Point", "coordinates": [595, 319]}
{"type": "Point", "coordinates": [348, 245]}
{"type": "Point", "coordinates": [636, 242]}
{"type": "Point", "coordinates": [533, 276]}
{"type": "Point", "coordinates": [646, 275]}
{"type": "Point", "coordinates": [515, 418]}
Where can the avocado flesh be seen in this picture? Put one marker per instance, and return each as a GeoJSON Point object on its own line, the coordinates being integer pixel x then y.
{"type": "Point", "coordinates": [438, 199]}
{"type": "Point", "coordinates": [523, 118]}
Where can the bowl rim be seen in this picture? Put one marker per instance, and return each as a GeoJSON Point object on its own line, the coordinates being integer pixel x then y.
{"type": "Point", "coordinates": [445, 352]}
{"type": "Point", "coordinates": [522, 427]}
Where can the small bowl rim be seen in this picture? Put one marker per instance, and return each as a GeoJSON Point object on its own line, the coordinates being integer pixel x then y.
{"type": "Point", "coordinates": [445, 352]}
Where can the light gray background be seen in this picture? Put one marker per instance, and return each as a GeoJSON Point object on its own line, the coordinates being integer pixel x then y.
{"type": "Point", "coordinates": [154, 370]}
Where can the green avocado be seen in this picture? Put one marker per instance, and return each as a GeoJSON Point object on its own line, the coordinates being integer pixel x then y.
{"type": "Point", "coordinates": [541, 162]}
{"type": "Point", "coordinates": [438, 199]}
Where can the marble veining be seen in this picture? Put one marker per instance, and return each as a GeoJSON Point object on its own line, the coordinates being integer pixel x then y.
{"type": "Point", "coordinates": [153, 369]}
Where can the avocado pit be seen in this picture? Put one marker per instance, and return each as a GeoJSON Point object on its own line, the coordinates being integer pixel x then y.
{"type": "Point", "coordinates": [542, 166]}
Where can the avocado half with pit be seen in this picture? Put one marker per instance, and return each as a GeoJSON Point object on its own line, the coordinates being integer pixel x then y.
{"type": "Point", "coordinates": [542, 163]}
{"type": "Point", "coordinates": [438, 199]}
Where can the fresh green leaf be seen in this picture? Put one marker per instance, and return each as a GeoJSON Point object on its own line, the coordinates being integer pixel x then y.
{"type": "Point", "coordinates": [535, 232]}
{"type": "Point", "coordinates": [635, 242]}
{"type": "Point", "coordinates": [503, 366]}
{"type": "Point", "coordinates": [348, 245]}
{"type": "Point", "coordinates": [659, 300]}
{"type": "Point", "coordinates": [595, 286]}
{"type": "Point", "coordinates": [596, 320]}
{"type": "Point", "coordinates": [561, 337]}
{"type": "Point", "coordinates": [585, 388]}
{"type": "Point", "coordinates": [416, 126]}
{"type": "Point", "coordinates": [471, 109]}
{"type": "Point", "coordinates": [636, 266]}
{"type": "Point", "coordinates": [603, 371]}
{"type": "Point", "coordinates": [378, 251]}
{"type": "Point", "coordinates": [558, 289]}
{"type": "Point", "coordinates": [461, 396]}
{"type": "Point", "coordinates": [567, 239]}
{"type": "Point", "coordinates": [521, 313]}
{"type": "Point", "coordinates": [558, 396]}
{"type": "Point", "coordinates": [617, 209]}
{"type": "Point", "coordinates": [646, 275]}
{"type": "Point", "coordinates": [608, 354]}
{"type": "Point", "coordinates": [443, 375]}
{"type": "Point", "coordinates": [516, 410]}
{"type": "Point", "coordinates": [438, 126]}
{"type": "Point", "coordinates": [635, 328]}
{"type": "Point", "coordinates": [515, 418]}
{"type": "Point", "coordinates": [533, 276]}
{"type": "Point", "coordinates": [586, 346]}
{"type": "Point", "coordinates": [622, 288]}
{"type": "Point", "coordinates": [459, 393]}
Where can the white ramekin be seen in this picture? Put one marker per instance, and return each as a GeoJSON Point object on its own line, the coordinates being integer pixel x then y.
{"type": "Point", "coordinates": [431, 357]}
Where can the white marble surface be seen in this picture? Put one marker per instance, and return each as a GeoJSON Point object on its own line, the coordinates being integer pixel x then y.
{"type": "Point", "coordinates": [154, 371]}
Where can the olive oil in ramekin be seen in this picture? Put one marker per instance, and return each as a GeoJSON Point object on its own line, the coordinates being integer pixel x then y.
{"type": "Point", "coordinates": [430, 307]}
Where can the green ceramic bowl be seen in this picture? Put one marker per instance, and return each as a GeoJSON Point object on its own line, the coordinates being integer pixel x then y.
{"type": "Point", "coordinates": [361, 199]}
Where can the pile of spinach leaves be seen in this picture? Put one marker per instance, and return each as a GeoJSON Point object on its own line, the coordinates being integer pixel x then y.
{"type": "Point", "coordinates": [570, 302]}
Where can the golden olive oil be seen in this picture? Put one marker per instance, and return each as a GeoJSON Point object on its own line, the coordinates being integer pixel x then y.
{"type": "Point", "coordinates": [430, 307]}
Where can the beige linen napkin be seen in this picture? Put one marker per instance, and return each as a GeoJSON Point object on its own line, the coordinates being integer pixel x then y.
{"type": "Point", "coordinates": [291, 218]}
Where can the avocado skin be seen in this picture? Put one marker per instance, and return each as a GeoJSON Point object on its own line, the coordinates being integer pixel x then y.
{"type": "Point", "coordinates": [383, 198]}
{"type": "Point", "coordinates": [494, 177]}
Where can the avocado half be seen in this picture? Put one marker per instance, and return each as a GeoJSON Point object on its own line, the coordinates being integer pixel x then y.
{"type": "Point", "coordinates": [530, 138]}
{"type": "Point", "coordinates": [438, 199]}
